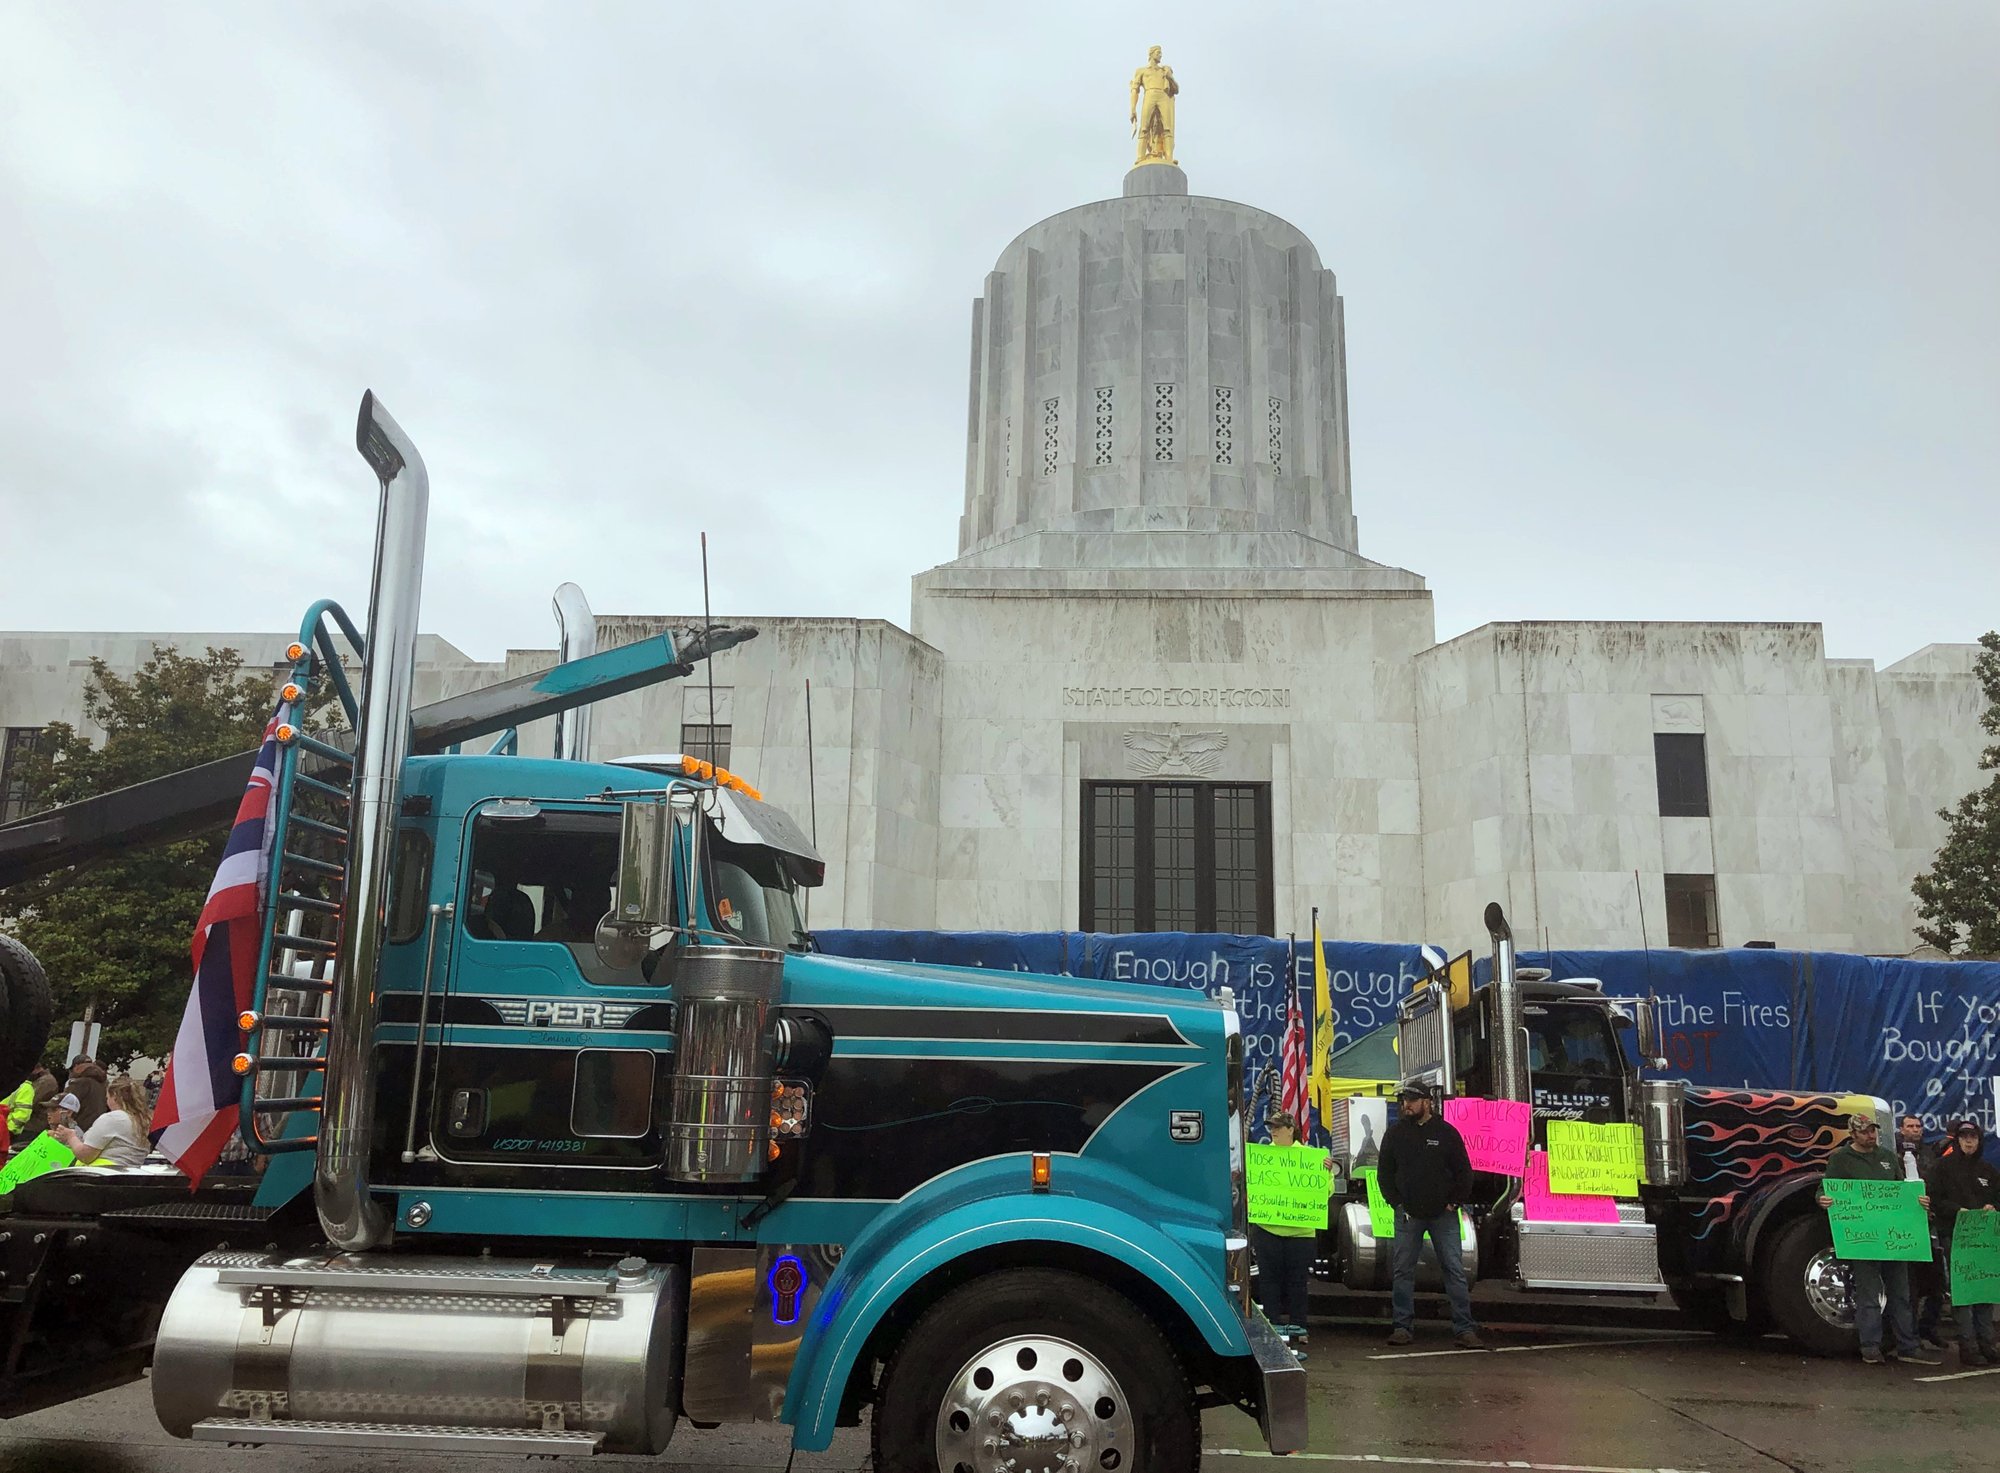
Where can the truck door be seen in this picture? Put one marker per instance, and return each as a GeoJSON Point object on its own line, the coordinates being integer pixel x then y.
{"type": "Point", "coordinates": [547, 1057]}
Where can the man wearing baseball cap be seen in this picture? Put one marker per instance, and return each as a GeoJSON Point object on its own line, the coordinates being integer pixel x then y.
{"type": "Point", "coordinates": [1425, 1174]}
{"type": "Point", "coordinates": [1863, 1159]}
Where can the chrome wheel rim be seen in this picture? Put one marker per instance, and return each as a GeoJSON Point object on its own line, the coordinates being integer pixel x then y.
{"type": "Point", "coordinates": [1830, 1289]}
{"type": "Point", "coordinates": [1035, 1404]}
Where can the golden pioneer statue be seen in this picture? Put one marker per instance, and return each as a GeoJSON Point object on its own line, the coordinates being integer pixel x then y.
{"type": "Point", "coordinates": [1153, 92]}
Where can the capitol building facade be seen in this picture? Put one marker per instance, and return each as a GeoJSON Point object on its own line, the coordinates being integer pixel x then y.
{"type": "Point", "coordinates": [1161, 688]}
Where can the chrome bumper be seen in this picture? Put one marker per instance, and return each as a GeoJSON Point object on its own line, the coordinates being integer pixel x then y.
{"type": "Point", "coordinates": [1281, 1400]}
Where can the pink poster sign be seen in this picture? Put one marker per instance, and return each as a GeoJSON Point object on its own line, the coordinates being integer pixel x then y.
{"type": "Point", "coordinates": [1542, 1205]}
{"type": "Point", "coordinates": [1495, 1131]}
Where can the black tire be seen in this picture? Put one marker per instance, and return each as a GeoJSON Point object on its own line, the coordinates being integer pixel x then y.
{"type": "Point", "coordinates": [24, 1013]}
{"type": "Point", "coordinates": [1141, 1420]}
{"type": "Point", "coordinates": [1808, 1293]}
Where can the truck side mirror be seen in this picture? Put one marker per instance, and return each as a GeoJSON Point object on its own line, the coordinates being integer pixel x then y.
{"type": "Point", "coordinates": [642, 895]}
{"type": "Point", "coordinates": [1651, 1052]}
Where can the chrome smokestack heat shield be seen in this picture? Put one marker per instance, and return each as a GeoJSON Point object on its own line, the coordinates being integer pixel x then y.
{"type": "Point", "coordinates": [1510, 1020]}
{"type": "Point", "coordinates": [350, 1217]}
{"type": "Point", "coordinates": [576, 632]}
{"type": "Point", "coordinates": [725, 1002]}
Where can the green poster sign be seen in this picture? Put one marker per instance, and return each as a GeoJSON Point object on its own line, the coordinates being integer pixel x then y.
{"type": "Point", "coordinates": [1878, 1220]}
{"type": "Point", "coordinates": [1381, 1216]}
{"type": "Point", "coordinates": [1288, 1185]}
{"type": "Point", "coordinates": [1588, 1160]}
{"type": "Point", "coordinates": [43, 1153]}
{"type": "Point", "coordinates": [1975, 1258]}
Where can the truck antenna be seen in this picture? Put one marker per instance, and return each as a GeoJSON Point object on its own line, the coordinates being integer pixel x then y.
{"type": "Point", "coordinates": [707, 631]}
{"type": "Point", "coordinates": [812, 790]}
{"type": "Point", "coordinates": [1646, 946]}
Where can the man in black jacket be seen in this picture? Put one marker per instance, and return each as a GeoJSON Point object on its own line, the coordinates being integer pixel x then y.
{"type": "Point", "coordinates": [1965, 1181]}
{"type": "Point", "coordinates": [1927, 1280]}
{"type": "Point", "coordinates": [1425, 1175]}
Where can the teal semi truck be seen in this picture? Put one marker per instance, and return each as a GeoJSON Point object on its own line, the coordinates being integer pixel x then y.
{"type": "Point", "coordinates": [568, 1134]}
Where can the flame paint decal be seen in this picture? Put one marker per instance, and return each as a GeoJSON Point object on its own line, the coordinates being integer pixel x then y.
{"type": "Point", "coordinates": [1738, 1139]}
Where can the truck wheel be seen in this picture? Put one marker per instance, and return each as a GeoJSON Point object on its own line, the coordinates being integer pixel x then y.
{"type": "Point", "coordinates": [1029, 1369]}
{"type": "Point", "coordinates": [24, 1012]}
{"type": "Point", "coordinates": [1809, 1291]}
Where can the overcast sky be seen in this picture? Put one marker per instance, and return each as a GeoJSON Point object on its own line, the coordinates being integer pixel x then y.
{"type": "Point", "coordinates": [1654, 310]}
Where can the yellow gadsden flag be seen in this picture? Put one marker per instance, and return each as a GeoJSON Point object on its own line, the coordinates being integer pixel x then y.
{"type": "Point", "coordinates": [1319, 1087]}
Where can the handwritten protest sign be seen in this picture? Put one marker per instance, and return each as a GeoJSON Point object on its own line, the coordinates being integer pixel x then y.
{"type": "Point", "coordinates": [1634, 1137]}
{"type": "Point", "coordinates": [1975, 1258]}
{"type": "Point", "coordinates": [1591, 1160]}
{"type": "Point", "coordinates": [1381, 1216]}
{"type": "Point", "coordinates": [1288, 1185]}
{"type": "Point", "coordinates": [1879, 1220]}
{"type": "Point", "coordinates": [1542, 1205]}
{"type": "Point", "coordinates": [43, 1153]}
{"type": "Point", "coordinates": [1495, 1131]}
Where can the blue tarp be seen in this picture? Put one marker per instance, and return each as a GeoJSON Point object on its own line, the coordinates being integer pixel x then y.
{"type": "Point", "coordinates": [1923, 1035]}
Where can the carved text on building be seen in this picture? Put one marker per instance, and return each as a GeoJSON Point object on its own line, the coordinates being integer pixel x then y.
{"type": "Point", "coordinates": [1203, 696]}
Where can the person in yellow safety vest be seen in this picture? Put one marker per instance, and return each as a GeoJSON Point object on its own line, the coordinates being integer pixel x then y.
{"type": "Point", "coordinates": [20, 1108]}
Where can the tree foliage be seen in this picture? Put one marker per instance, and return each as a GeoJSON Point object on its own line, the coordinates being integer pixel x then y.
{"type": "Point", "coordinates": [117, 932]}
{"type": "Point", "coordinates": [1958, 898]}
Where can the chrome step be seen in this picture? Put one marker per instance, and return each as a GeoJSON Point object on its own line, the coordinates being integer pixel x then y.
{"type": "Point", "coordinates": [390, 1278]}
{"type": "Point", "coordinates": [249, 1432]}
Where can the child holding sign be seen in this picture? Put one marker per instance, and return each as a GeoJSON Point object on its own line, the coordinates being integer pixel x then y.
{"type": "Point", "coordinates": [1967, 1184]}
{"type": "Point", "coordinates": [1288, 1199]}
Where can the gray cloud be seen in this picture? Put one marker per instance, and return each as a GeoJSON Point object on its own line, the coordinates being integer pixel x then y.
{"type": "Point", "coordinates": [1655, 311]}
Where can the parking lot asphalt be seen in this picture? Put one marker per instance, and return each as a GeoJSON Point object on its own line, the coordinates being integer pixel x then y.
{"type": "Point", "coordinates": [1551, 1398]}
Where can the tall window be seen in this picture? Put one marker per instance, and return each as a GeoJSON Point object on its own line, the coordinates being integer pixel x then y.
{"type": "Point", "coordinates": [1691, 911]}
{"type": "Point", "coordinates": [1680, 758]}
{"type": "Point", "coordinates": [1177, 857]}
{"type": "Point", "coordinates": [709, 743]}
{"type": "Point", "coordinates": [17, 744]}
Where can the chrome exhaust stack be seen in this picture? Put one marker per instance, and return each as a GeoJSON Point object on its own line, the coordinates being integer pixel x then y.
{"type": "Point", "coordinates": [1510, 1020]}
{"type": "Point", "coordinates": [352, 1220]}
{"type": "Point", "coordinates": [576, 634]}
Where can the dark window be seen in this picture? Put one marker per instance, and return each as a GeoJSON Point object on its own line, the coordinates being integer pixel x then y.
{"type": "Point", "coordinates": [1177, 857]}
{"type": "Point", "coordinates": [17, 745]}
{"type": "Point", "coordinates": [709, 743]}
{"type": "Point", "coordinates": [1681, 760]}
{"type": "Point", "coordinates": [543, 878]}
{"type": "Point", "coordinates": [1691, 911]}
{"type": "Point", "coordinates": [410, 887]}
{"type": "Point", "coordinates": [614, 1093]}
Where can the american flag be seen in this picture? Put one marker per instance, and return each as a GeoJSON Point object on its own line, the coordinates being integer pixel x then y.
{"type": "Point", "coordinates": [1292, 1060]}
{"type": "Point", "coordinates": [197, 1110]}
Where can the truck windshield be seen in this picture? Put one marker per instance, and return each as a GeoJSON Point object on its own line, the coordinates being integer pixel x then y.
{"type": "Point", "coordinates": [755, 897]}
{"type": "Point", "coordinates": [1573, 1062]}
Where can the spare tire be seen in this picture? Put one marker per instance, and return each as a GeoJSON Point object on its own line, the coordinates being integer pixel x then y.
{"type": "Point", "coordinates": [24, 1013]}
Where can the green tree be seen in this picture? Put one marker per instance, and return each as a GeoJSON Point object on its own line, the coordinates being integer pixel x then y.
{"type": "Point", "coordinates": [117, 932]}
{"type": "Point", "coordinates": [1958, 898]}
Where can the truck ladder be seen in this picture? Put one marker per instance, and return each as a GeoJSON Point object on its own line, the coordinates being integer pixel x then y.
{"type": "Point", "coordinates": [285, 1028]}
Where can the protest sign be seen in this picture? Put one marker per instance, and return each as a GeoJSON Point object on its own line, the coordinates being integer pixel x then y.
{"type": "Point", "coordinates": [1590, 1160]}
{"type": "Point", "coordinates": [1288, 1185]}
{"type": "Point", "coordinates": [1879, 1220]}
{"type": "Point", "coordinates": [43, 1153]}
{"type": "Point", "coordinates": [1975, 1258]}
{"type": "Point", "coordinates": [1495, 1131]}
{"type": "Point", "coordinates": [1381, 1216]}
{"type": "Point", "coordinates": [1541, 1205]}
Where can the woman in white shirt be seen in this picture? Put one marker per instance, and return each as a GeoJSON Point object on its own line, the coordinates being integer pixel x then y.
{"type": "Point", "coordinates": [117, 1138]}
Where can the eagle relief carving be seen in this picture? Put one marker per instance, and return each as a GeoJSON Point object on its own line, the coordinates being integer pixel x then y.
{"type": "Point", "coordinates": [1173, 752]}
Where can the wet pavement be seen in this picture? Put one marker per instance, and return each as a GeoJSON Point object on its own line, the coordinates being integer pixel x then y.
{"type": "Point", "coordinates": [1553, 1398]}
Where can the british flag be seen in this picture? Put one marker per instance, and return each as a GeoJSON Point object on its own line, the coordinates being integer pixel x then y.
{"type": "Point", "coordinates": [197, 1110]}
{"type": "Point", "coordinates": [1292, 1062]}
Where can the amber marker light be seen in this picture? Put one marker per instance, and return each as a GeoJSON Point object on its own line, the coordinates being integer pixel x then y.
{"type": "Point", "coordinates": [292, 691]}
{"type": "Point", "coordinates": [246, 1020]}
{"type": "Point", "coordinates": [294, 650]}
{"type": "Point", "coordinates": [242, 1063]}
{"type": "Point", "coordinates": [286, 731]}
{"type": "Point", "coordinates": [1038, 1170]}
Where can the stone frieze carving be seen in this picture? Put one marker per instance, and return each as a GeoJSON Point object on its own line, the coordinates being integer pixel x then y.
{"type": "Point", "coordinates": [1174, 752]}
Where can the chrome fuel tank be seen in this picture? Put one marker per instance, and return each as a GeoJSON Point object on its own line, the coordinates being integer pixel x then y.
{"type": "Point", "coordinates": [435, 1343]}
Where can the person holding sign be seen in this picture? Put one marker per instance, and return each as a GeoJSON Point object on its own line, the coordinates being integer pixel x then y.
{"type": "Point", "coordinates": [1425, 1175]}
{"type": "Point", "coordinates": [1863, 1159]}
{"type": "Point", "coordinates": [1966, 1182]}
{"type": "Point", "coordinates": [1284, 1239]}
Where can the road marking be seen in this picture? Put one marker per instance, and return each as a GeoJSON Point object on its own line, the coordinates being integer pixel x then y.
{"type": "Point", "coordinates": [1962, 1375]}
{"type": "Point", "coordinates": [1520, 1349]}
{"type": "Point", "coordinates": [1390, 1460]}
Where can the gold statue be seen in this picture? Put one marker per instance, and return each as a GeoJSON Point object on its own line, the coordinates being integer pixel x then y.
{"type": "Point", "coordinates": [1153, 92]}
